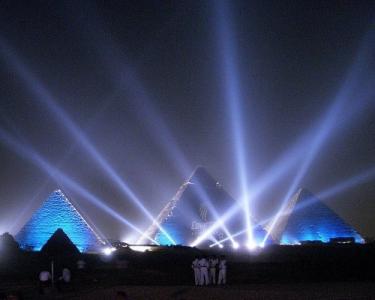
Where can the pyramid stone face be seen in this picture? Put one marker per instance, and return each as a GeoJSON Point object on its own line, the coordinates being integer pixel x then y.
{"type": "Point", "coordinates": [190, 211]}
{"type": "Point", "coordinates": [312, 220]}
{"type": "Point", "coordinates": [57, 212]}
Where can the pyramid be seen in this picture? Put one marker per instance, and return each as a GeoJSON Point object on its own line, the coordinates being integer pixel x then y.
{"type": "Point", "coordinates": [190, 211]}
{"type": "Point", "coordinates": [54, 213]}
{"type": "Point", "coordinates": [306, 218]}
{"type": "Point", "coordinates": [59, 244]}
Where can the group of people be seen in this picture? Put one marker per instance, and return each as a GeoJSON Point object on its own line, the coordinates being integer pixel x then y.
{"type": "Point", "coordinates": [205, 270]}
{"type": "Point", "coordinates": [45, 279]}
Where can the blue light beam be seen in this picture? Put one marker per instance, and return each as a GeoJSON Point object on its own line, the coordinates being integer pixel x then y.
{"type": "Point", "coordinates": [231, 84]}
{"type": "Point", "coordinates": [28, 153]}
{"type": "Point", "coordinates": [44, 97]}
{"type": "Point", "coordinates": [338, 112]}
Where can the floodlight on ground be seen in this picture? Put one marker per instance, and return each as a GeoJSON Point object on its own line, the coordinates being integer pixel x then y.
{"type": "Point", "coordinates": [235, 246]}
{"type": "Point", "coordinates": [108, 250]}
{"type": "Point", "coordinates": [251, 246]}
{"type": "Point", "coordinates": [140, 248]}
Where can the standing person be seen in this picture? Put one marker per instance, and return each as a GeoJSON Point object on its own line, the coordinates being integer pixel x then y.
{"type": "Point", "coordinates": [203, 268]}
{"type": "Point", "coordinates": [65, 278]}
{"type": "Point", "coordinates": [44, 281]}
{"type": "Point", "coordinates": [222, 271]}
{"type": "Point", "coordinates": [81, 264]}
{"type": "Point", "coordinates": [66, 275]}
{"type": "Point", "coordinates": [197, 274]}
{"type": "Point", "coordinates": [213, 263]}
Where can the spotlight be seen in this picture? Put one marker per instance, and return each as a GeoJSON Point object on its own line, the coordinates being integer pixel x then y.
{"type": "Point", "coordinates": [251, 245]}
{"type": "Point", "coordinates": [108, 250]}
{"type": "Point", "coordinates": [233, 95]}
{"type": "Point", "coordinates": [140, 248]}
{"type": "Point", "coordinates": [221, 246]}
{"type": "Point", "coordinates": [235, 245]}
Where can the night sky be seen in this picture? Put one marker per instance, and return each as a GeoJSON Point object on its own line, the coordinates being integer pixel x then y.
{"type": "Point", "coordinates": [143, 81]}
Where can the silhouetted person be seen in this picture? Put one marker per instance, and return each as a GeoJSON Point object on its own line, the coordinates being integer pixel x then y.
{"type": "Point", "coordinates": [222, 271]}
{"type": "Point", "coordinates": [203, 269]}
{"type": "Point", "coordinates": [197, 274]}
{"type": "Point", "coordinates": [44, 281]}
{"type": "Point", "coordinates": [65, 278]}
{"type": "Point", "coordinates": [213, 261]}
{"type": "Point", "coordinates": [81, 264]}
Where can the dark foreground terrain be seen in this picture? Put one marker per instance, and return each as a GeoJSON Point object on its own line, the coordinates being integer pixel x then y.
{"type": "Point", "coordinates": [278, 272]}
{"type": "Point", "coordinates": [331, 290]}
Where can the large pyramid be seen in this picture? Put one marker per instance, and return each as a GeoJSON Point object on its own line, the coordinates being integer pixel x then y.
{"type": "Point", "coordinates": [306, 218]}
{"type": "Point", "coordinates": [57, 212]}
{"type": "Point", "coordinates": [190, 211]}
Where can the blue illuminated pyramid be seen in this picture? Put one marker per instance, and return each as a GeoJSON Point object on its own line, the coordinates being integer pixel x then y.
{"type": "Point", "coordinates": [309, 219]}
{"type": "Point", "coordinates": [191, 211]}
{"type": "Point", "coordinates": [57, 212]}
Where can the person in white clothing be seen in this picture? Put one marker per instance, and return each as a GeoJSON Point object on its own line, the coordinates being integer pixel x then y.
{"type": "Point", "coordinates": [81, 264]}
{"type": "Point", "coordinates": [66, 275]}
{"type": "Point", "coordinates": [64, 279]}
{"type": "Point", "coordinates": [44, 281]}
{"type": "Point", "coordinates": [213, 262]}
{"type": "Point", "coordinates": [222, 271]}
{"type": "Point", "coordinates": [197, 274]}
{"type": "Point", "coordinates": [203, 268]}
{"type": "Point", "coordinates": [45, 276]}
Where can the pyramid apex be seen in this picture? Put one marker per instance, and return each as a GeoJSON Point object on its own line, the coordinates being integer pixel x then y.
{"type": "Point", "coordinates": [304, 194]}
{"type": "Point", "coordinates": [302, 190]}
{"type": "Point", "coordinates": [198, 169]}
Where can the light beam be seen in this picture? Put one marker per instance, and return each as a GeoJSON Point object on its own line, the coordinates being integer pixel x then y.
{"type": "Point", "coordinates": [337, 112]}
{"type": "Point", "coordinates": [43, 96]}
{"type": "Point", "coordinates": [232, 90]}
{"type": "Point", "coordinates": [28, 153]}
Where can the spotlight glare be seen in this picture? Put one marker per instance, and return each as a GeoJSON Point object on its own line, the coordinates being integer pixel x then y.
{"type": "Point", "coordinates": [235, 245]}
{"type": "Point", "coordinates": [232, 90]}
{"type": "Point", "coordinates": [251, 246]}
{"type": "Point", "coordinates": [140, 248]}
{"type": "Point", "coordinates": [221, 246]}
{"type": "Point", "coordinates": [108, 250]}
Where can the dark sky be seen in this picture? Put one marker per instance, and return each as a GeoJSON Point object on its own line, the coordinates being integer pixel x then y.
{"type": "Point", "coordinates": [120, 68]}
